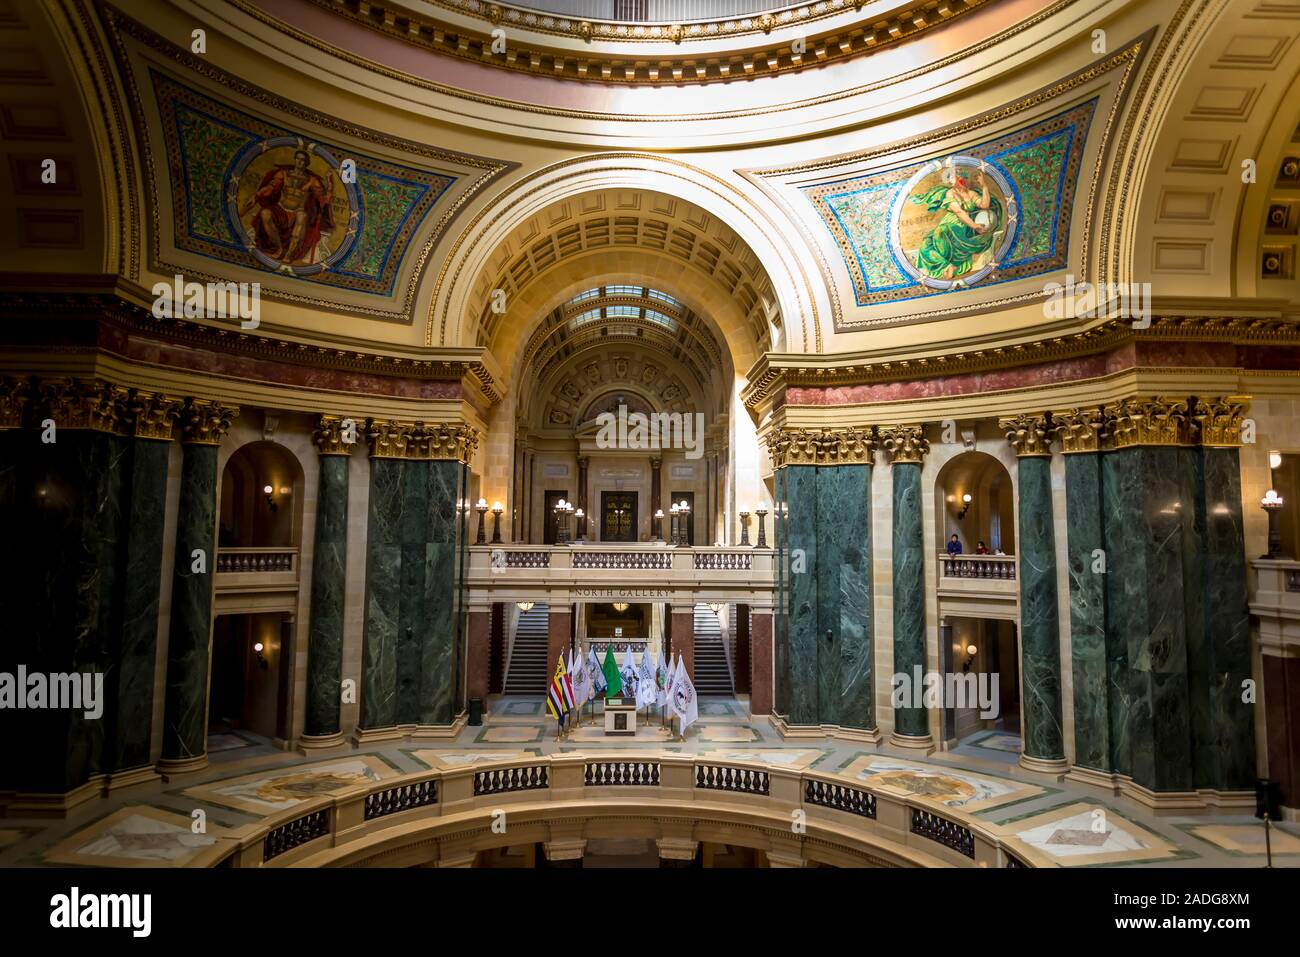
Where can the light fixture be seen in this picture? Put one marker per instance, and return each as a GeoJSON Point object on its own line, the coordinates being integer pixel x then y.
{"type": "Point", "coordinates": [683, 530]}
{"type": "Point", "coordinates": [1271, 503]}
{"type": "Point", "coordinates": [481, 506]}
{"type": "Point", "coordinates": [620, 606]}
{"type": "Point", "coordinates": [1275, 460]}
{"type": "Point", "coordinates": [580, 523]}
{"type": "Point", "coordinates": [715, 607]}
{"type": "Point", "coordinates": [497, 509]}
{"type": "Point", "coordinates": [965, 506]}
{"type": "Point", "coordinates": [261, 658]}
{"type": "Point", "coordinates": [744, 526]}
{"type": "Point", "coordinates": [659, 525]}
{"type": "Point", "coordinates": [525, 605]}
{"type": "Point", "coordinates": [285, 490]}
{"type": "Point", "coordinates": [762, 527]}
{"type": "Point", "coordinates": [266, 489]}
{"type": "Point", "coordinates": [971, 651]}
{"type": "Point", "coordinates": [269, 491]}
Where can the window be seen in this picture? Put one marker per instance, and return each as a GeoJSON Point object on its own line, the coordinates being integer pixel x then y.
{"type": "Point", "coordinates": [660, 318]}
{"type": "Point", "coordinates": [663, 297]}
{"type": "Point", "coordinates": [588, 316]}
{"type": "Point", "coordinates": [622, 312]}
{"type": "Point", "coordinates": [623, 290]}
{"type": "Point", "coordinates": [583, 296]}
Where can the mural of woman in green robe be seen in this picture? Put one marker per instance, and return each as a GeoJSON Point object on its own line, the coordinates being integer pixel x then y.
{"type": "Point", "coordinates": [971, 225]}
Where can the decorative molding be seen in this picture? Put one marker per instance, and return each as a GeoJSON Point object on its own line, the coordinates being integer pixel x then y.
{"type": "Point", "coordinates": [1030, 435]}
{"type": "Point", "coordinates": [1218, 420]}
{"type": "Point", "coordinates": [393, 439]}
{"type": "Point", "coordinates": [329, 434]}
{"type": "Point", "coordinates": [151, 415]}
{"type": "Point", "coordinates": [14, 394]}
{"type": "Point", "coordinates": [1150, 420]}
{"type": "Point", "coordinates": [850, 446]}
{"type": "Point", "coordinates": [204, 422]}
{"type": "Point", "coordinates": [905, 443]}
{"type": "Point", "coordinates": [1080, 430]}
{"type": "Point", "coordinates": [81, 403]}
{"type": "Point", "coordinates": [661, 58]}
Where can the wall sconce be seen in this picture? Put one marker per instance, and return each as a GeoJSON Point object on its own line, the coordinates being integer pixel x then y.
{"type": "Point", "coordinates": [715, 607]}
{"type": "Point", "coordinates": [481, 506]}
{"type": "Point", "coordinates": [965, 506]}
{"type": "Point", "coordinates": [525, 605]}
{"type": "Point", "coordinates": [258, 648]}
{"type": "Point", "coordinates": [1271, 503]}
{"type": "Point", "coordinates": [620, 606]}
{"type": "Point", "coordinates": [1274, 460]}
{"type": "Point", "coordinates": [497, 509]}
{"type": "Point", "coordinates": [971, 652]}
{"type": "Point", "coordinates": [268, 491]}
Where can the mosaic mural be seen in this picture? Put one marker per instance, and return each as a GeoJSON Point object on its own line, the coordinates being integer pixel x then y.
{"type": "Point", "coordinates": [254, 194]}
{"type": "Point", "coordinates": [992, 213]}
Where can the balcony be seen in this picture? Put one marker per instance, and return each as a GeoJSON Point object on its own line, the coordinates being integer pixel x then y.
{"type": "Point", "coordinates": [977, 585]}
{"type": "Point", "coordinates": [605, 572]}
{"type": "Point", "coordinates": [251, 580]}
{"type": "Point", "coordinates": [1276, 603]}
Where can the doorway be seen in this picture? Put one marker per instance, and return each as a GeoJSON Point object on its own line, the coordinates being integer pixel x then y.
{"type": "Point", "coordinates": [689, 499]}
{"type": "Point", "coordinates": [250, 672]}
{"type": "Point", "coordinates": [618, 516]}
{"type": "Point", "coordinates": [549, 527]}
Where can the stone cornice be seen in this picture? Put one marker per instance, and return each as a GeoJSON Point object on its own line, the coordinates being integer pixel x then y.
{"type": "Point", "coordinates": [850, 446]}
{"type": "Point", "coordinates": [1029, 435]}
{"type": "Point", "coordinates": [393, 439]}
{"type": "Point", "coordinates": [568, 47]}
{"type": "Point", "coordinates": [774, 372]}
{"type": "Point", "coordinates": [204, 422]}
{"type": "Point", "coordinates": [123, 312]}
{"type": "Point", "coordinates": [904, 443]}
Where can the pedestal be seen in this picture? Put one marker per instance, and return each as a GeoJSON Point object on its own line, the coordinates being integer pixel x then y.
{"type": "Point", "coordinates": [620, 717]}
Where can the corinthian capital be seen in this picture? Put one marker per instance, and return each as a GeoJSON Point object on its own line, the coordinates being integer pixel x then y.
{"type": "Point", "coordinates": [393, 439]}
{"type": "Point", "coordinates": [204, 422]}
{"type": "Point", "coordinates": [335, 434]}
{"type": "Point", "coordinates": [1150, 420]}
{"type": "Point", "coordinates": [904, 443]}
{"type": "Point", "coordinates": [829, 446]}
{"type": "Point", "coordinates": [1029, 435]}
{"type": "Point", "coordinates": [1218, 420]}
{"type": "Point", "coordinates": [1080, 430]}
{"type": "Point", "coordinates": [82, 403]}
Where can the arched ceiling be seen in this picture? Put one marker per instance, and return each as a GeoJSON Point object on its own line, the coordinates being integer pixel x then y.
{"type": "Point", "coordinates": [636, 237]}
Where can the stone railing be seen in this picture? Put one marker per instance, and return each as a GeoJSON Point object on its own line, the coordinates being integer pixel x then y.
{"type": "Point", "coordinates": [987, 567]}
{"type": "Point", "coordinates": [256, 560]}
{"type": "Point", "coordinates": [610, 572]}
{"type": "Point", "coordinates": [449, 813]}
{"type": "Point", "coordinates": [1275, 602]}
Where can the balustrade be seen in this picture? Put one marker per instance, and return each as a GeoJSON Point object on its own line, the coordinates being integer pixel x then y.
{"type": "Point", "coordinates": [256, 560]}
{"type": "Point", "coordinates": [404, 797]}
{"type": "Point", "coordinates": [295, 833]}
{"type": "Point", "coordinates": [943, 831]}
{"type": "Point", "coordinates": [994, 567]}
{"type": "Point", "coordinates": [603, 773]}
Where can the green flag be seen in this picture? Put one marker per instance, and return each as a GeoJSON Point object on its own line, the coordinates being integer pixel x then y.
{"type": "Point", "coordinates": [614, 680]}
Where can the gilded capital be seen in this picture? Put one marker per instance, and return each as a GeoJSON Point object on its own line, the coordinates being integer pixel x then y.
{"type": "Point", "coordinates": [847, 446]}
{"type": "Point", "coordinates": [1029, 435]}
{"type": "Point", "coordinates": [1218, 420]}
{"type": "Point", "coordinates": [336, 434]}
{"type": "Point", "coordinates": [1149, 420]}
{"type": "Point", "coordinates": [905, 443]}
{"type": "Point", "coordinates": [204, 422]}
{"type": "Point", "coordinates": [393, 439]}
{"type": "Point", "coordinates": [13, 397]}
{"type": "Point", "coordinates": [82, 403]}
{"type": "Point", "coordinates": [1080, 430]}
{"type": "Point", "coordinates": [150, 415]}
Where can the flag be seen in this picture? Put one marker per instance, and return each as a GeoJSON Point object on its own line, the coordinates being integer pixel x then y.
{"type": "Point", "coordinates": [559, 700]}
{"type": "Point", "coordinates": [628, 672]}
{"type": "Point", "coordinates": [582, 682]}
{"type": "Point", "coordinates": [646, 688]}
{"type": "Point", "coordinates": [613, 680]}
{"type": "Point", "coordinates": [596, 675]}
{"type": "Point", "coordinates": [685, 705]}
{"type": "Point", "coordinates": [668, 681]}
{"type": "Point", "coordinates": [661, 681]}
{"type": "Point", "coordinates": [570, 697]}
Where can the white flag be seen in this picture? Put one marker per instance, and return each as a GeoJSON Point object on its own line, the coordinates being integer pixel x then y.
{"type": "Point", "coordinates": [646, 689]}
{"type": "Point", "coordinates": [595, 674]}
{"type": "Point", "coordinates": [668, 681]}
{"type": "Point", "coordinates": [581, 683]}
{"type": "Point", "coordinates": [661, 682]}
{"type": "Point", "coordinates": [685, 705]}
{"type": "Point", "coordinates": [628, 672]}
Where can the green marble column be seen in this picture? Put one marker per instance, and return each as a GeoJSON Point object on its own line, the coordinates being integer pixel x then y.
{"type": "Point", "coordinates": [383, 594]}
{"type": "Point", "coordinates": [906, 448]}
{"type": "Point", "coordinates": [781, 622]}
{"type": "Point", "coordinates": [1225, 646]}
{"type": "Point", "coordinates": [439, 664]}
{"type": "Point", "coordinates": [1040, 638]}
{"type": "Point", "coordinates": [137, 631]}
{"type": "Point", "coordinates": [1088, 575]}
{"type": "Point", "coordinates": [850, 612]}
{"type": "Point", "coordinates": [184, 740]}
{"type": "Point", "coordinates": [328, 583]}
{"type": "Point", "coordinates": [803, 551]}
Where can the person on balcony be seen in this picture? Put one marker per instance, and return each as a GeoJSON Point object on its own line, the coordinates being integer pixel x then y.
{"type": "Point", "coordinates": [954, 545]}
{"type": "Point", "coordinates": [981, 549]}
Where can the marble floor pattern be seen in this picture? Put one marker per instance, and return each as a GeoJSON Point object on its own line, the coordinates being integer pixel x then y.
{"type": "Point", "coordinates": [1045, 820]}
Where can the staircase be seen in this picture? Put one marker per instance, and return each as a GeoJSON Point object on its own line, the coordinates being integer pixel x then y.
{"type": "Point", "coordinates": [712, 673]}
{"type": "Point", "coordinates": [528, 669]}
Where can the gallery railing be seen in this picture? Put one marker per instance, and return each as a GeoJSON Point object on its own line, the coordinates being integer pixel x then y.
{"type": "Point", "coordinates": [436, 813]}
{"type": "Point", "coordinates": [253, 560]}
{"type": "Point", "coordinates": [987, 567]}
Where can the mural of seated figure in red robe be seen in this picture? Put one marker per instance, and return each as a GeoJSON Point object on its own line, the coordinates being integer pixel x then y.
{"type": "Point", "coordinates": [294, 210]}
